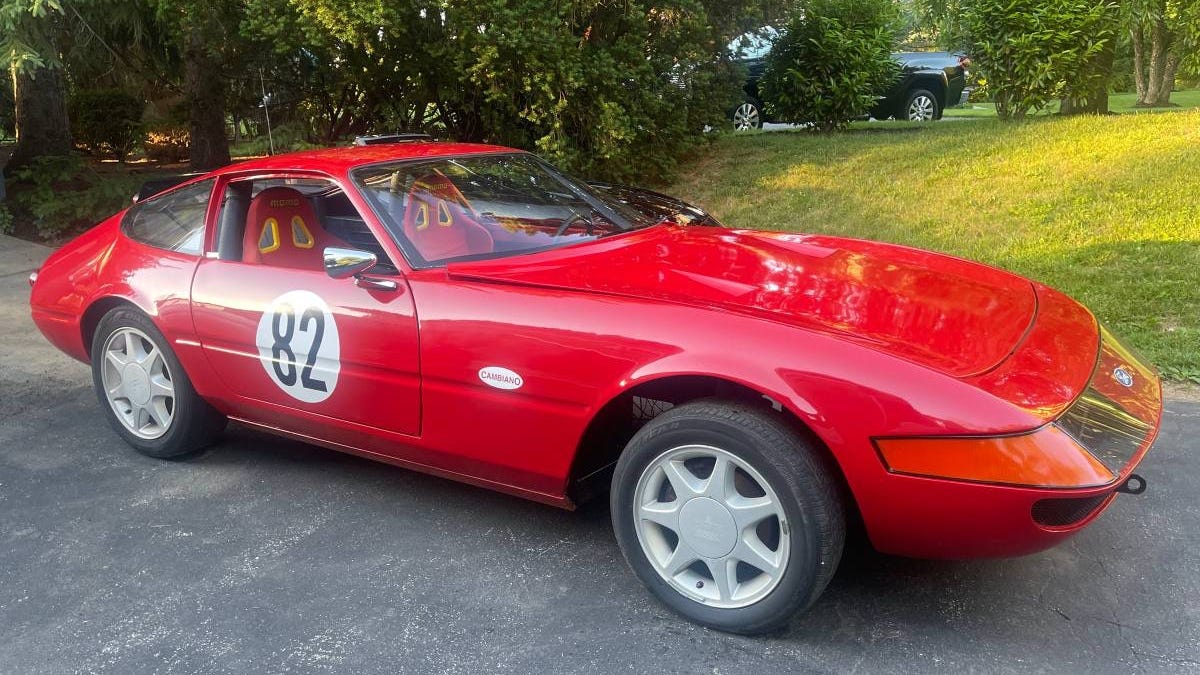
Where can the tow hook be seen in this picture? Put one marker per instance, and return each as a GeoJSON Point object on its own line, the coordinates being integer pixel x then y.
{"type": "Point", "coordinates": [1134, 485]}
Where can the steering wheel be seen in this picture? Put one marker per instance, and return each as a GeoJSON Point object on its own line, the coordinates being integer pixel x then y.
{"type": "Point", "coordinates": [575, 218]}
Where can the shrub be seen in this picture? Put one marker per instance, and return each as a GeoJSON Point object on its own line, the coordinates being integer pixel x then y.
{"type": "Point", "coordinates": [8, 112]}
{"type": "Point", "coordinates": [612, 90]}
{"type": "Point", "coordinates": [1034, 51]}
{"type": "Point", "coordinates": [61, 195]}
{"type": "Point", "coordinates": [107, 122]}
{"type": "Point", "coordinates": [832, 61]}
{"type": "Point", "coordinates": [286, 138]}
{"type": "Point", "coordinates": [167, 144]}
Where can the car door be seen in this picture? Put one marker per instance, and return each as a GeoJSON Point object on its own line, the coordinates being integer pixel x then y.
{"type": "Point", "coordinates": [298, 349]}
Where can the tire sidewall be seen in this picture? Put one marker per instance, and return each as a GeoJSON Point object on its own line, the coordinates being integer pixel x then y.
{"type": "Point", "coordinates": [176, 442]}
{"type": "Point", "coordinates": [794, 591]}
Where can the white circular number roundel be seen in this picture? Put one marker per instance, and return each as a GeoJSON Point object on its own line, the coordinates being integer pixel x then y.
{"type": "Point", "coordinates": [298, 346]}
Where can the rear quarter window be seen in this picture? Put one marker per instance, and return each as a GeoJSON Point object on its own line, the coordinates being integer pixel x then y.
{"type": "Point", "coordinates": [174, 221]}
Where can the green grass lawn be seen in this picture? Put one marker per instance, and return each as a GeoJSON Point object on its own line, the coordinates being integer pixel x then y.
{"type": "Point", "coordinates": [1104, 208]}
{"type": "Point", "coordinates": [1118, 103]}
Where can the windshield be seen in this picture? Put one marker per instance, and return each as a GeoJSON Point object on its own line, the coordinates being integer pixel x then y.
{"type": "Point", "coordinates": [487, 206]}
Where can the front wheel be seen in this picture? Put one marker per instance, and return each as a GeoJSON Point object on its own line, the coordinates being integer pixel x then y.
{"type": "Point", "coordinates": [728, 515]}
{"type": "Point", "coordinates": [921, 106]}
{"type": "Point", "coordinates": [143, 390]}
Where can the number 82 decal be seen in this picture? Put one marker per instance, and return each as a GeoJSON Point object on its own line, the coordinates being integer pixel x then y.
{"type": "Point", "coordinates": [298, 346]}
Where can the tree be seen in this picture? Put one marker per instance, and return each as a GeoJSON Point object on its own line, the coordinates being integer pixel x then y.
{"type": "Point", "coordinates": [49, 44]}
{"type": "Point", "coordinates": [1033, 51]}
{"type": "Point", "coordinates": [205, 34]}
{"type": "Point", "coordinates": [832, 60]}
{"type": "Point", "coordinates": [30, 29]}
{"type": "Point", "coordinates": [1165, 35]}
{"type": "Point", "coordinates": [608, 88]}
{"type": "Point", "coordinates": [1086, 90]}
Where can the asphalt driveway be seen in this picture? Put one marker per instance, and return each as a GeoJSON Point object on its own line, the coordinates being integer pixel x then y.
{"type": "Point", "coordinates": [266, 555]}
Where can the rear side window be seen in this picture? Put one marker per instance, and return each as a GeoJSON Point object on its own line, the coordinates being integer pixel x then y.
{"type": "Point", "coordinates": [174, 221]}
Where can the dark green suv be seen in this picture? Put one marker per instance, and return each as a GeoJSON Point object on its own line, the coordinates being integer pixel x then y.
{"type": "Point", "coordinates": [928, 82]}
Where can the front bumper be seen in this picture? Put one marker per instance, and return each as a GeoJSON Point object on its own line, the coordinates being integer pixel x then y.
{"type": "Point", "coordinates": [1116, 419]}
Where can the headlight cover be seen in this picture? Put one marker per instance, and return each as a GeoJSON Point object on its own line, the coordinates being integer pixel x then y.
{"type": "Point", "coordinates": [1089, 445]}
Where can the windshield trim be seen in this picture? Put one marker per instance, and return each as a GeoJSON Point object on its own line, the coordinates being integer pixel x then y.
{"type": "Point", "coordinates": [417, 262]}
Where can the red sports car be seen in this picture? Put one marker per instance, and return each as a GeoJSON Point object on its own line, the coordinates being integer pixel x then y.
{"type": "Point", "coordinates": [472, 312]}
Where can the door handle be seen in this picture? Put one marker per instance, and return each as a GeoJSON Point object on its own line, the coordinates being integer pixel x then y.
{"type": "Point", "coordinates": [374, 284]}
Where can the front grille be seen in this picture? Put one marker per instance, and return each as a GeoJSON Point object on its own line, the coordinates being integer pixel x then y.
{"type": "Point", "coordinates": [1105, 428]}
{"type": "Point", "coordinates": [1062, 512]}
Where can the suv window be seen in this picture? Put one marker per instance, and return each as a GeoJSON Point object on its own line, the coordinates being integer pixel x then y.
{"type": "Point", "coordinates": [174, 221]}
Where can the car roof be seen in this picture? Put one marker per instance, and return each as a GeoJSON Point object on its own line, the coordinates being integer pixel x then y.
{"type": "Point", "coordinates": [343, 159]}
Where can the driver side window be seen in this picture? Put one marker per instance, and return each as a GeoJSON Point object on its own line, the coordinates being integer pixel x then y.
{"type": "Point", "coordinates": [289, 222]}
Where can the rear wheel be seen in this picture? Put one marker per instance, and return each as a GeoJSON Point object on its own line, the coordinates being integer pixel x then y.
{"type": "Point", "coordinates": [747, 116]}
{"type": "Point", "coordinates": [921, 106]}
{"type": "Point", "coordinates": [727, 515]}
{"type": "Point", "coordinates": [143, 390]}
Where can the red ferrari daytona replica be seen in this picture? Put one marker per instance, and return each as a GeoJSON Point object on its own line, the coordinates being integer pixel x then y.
{"type": "Point", "coordinates": [472, 312]}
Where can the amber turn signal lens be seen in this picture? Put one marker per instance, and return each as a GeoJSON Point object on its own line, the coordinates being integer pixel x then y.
{"type": "Point", "coordinates": [1047, 457]}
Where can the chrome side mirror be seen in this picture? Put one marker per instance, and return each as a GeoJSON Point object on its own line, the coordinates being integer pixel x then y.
{"type": "Point", "coordinates": [341, 263]}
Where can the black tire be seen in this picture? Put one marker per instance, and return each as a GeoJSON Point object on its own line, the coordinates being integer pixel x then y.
{"type": "Point", "coordinates": [797, 470]}
{"type": "Point", "coordinates": [935, 108]}
{"type": "Point", "coordinates": [194, 423]}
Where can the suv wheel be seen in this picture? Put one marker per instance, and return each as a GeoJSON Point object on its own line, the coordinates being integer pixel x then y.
{"type": "Point", "coordinates": [921, 106]}
{"type": "Point", "coordinates": [747, 116]}
{"type": "Point", "coordinates": [727, 515]}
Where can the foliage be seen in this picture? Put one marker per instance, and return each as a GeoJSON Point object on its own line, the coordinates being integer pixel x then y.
{"type": "Point", "coordinates": [8, 112]}
{"type": "Point", "coordinates": [167, 144]}
{"type": "Point", "coordinates": [1033, 51]}
{"type": "Point", "coordinates": [1188, 22]}
{"type": "Point", "coordinates": [831, 62]}
{"type": "Point", "coordinates": [609, 89]}
{"type": "Point", "coordinates": [26, 28]}
{"type": "Point", "coordinates": [61, 194]}
{"type": "Point", "coordinates": [1102, 207]}
{"type": "Point", "coordinates": [6, 219]}
{"type": "Point", "coordinates": [106, 122]}
{"type": "Point", "coordinates": [286, 138]}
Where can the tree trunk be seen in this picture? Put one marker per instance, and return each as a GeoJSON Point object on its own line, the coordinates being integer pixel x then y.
{"type": "Point", "coordinates": [1154, 80]}
{"type": "Point", "coordinates": [41, 116]}
{"type": "Point", "coordinates": [1137, 37]}
{"type": "Point", "coordinates": [1168, 80]}
{"type": "Point", "coordinates": [209, 147]}
{"type": "Point", "coordinates": [1158, 60]}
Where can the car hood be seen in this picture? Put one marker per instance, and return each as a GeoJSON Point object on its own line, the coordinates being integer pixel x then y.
{"type": "Point", "coordinates": [959, 317]}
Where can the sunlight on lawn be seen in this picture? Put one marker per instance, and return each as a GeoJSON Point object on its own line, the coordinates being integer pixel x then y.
{"type": "Point", "coordinates": [1106, 209]}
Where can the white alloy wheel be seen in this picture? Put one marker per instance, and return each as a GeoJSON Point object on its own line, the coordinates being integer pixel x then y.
{"type": "Point", "coordinates": [746, 117]}
{"type": "Point", "coordinates": [922, 108]}
{"type": "Point", "coordinates": [138, 383]}
{"type": "Point", "coordinates": [711, 526]}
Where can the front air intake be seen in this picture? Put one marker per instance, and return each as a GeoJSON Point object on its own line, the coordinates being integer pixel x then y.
{"type": "Point", "coordinates": [1062, 512]}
